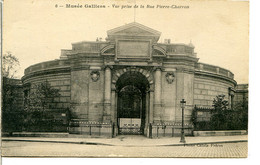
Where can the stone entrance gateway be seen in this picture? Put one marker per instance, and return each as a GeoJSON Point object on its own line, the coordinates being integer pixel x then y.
{"type": "Point", "coordinates": [132, 89]}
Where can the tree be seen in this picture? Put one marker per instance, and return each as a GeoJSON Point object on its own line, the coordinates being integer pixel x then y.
{"type": "Point", "coordinates": [38, 101]}
{"type": "Point", "coordinates": [220, 104]}
{"type": "Point", "coordinates": [218, 119]}
{"type": "Point", "coordinates": [11, 94]}
{"type": "Point", "coordinates": [12, 107]}
{"type": "Point", "coordinates": [10, 65]}
{"type": "Point", "coordinates": [241, 117]}
{"type": "Point", "coordinates": [41, 95]}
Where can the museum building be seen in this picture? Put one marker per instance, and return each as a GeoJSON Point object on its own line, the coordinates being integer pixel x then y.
{"type": "Point", "coordinates": [131, 84]}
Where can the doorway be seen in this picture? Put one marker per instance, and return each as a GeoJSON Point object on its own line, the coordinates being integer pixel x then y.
{"type": "Point", "coordinates": [132, 103]}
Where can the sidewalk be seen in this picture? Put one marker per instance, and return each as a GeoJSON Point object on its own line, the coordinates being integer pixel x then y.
{"type": "Point", "coordinates": [135, 140]}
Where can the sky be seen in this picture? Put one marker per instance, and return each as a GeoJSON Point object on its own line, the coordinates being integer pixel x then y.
{"type": "Point", "coordinates": [36, 31]}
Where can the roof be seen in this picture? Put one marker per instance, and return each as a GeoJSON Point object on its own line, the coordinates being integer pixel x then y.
{"type": "Point", "coordinates": [133, 28]}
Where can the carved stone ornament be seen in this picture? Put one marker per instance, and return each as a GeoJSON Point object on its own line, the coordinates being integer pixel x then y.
{"type": "Point", "coordinates": [170, 77]}
{"type": "Point", "coordinates": [95, 75]}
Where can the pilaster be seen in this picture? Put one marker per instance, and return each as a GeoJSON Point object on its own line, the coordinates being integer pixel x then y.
{"type": "Point", "coordinates": [107, 95]}
{"type": "Point", "coordinates": [157, 95]}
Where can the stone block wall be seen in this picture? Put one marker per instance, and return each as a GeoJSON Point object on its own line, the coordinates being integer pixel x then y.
{"type": "Point", "coordinates": [80, 93]}
{"type": "Point", "coordinates": [87, 96]}
{"type": "Point", "coordinates": [168, 99]}
{"type": "Point", "coordinates": [205, 90]}
{"type": "Point", "coordinates": [188, 96]}
{"type": "Point", "coordinates": [241, 94]}
{"type": "Point", "coordinates": [59, 81]}
{"type": "Point", "coordinates": [96, 98]}
{"type": "Point", "coordinates": [184, 91]}
{"type": "Point", "coordinates": [173, 93]}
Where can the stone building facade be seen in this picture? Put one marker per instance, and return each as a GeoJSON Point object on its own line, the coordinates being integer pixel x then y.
{"type": "Point", "coordinates": [131, 83]}
{"type": "Point", "coordinates": [241, 95]}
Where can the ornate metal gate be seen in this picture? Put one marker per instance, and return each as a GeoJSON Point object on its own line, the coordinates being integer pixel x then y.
{"type": "Point", "coordinates": [130, 126]}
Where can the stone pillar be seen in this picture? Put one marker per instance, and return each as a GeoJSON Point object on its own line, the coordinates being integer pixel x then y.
{"type": "Point", "coordinates": [146, 111]}
{"type": "Point", "coordinates": [115, 112]}
{"type": "Point", "coordinates": [107, 85]}
{"type": "Point", "coordinates": [157, 94]}
{"type": "Point", "coordinates": [113, 105]}
{"type": "Point", "coordinates": [232, 101]}
{"type": "Point", "coordinates": [229, 101]}
{"type": "Point", "coordinates": [107, 95]}
{"type": "Point", "coordinates": [231, 97]}
{"type": "Point", "coordinates": [151, 113]}
{"type": "Point", "coordinates": [158, 85]}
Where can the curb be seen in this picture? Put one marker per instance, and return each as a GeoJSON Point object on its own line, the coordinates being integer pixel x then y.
{"type": "Point", "coordinates": [50, 141]}
{"type": "Point", "coordinates": [94, 143]}
{"type": "Point", "coordinates": [199, 143]}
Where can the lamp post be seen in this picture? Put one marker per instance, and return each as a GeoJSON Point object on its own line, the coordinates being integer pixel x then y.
{"type": "Point", "coordinates": [183, 102]}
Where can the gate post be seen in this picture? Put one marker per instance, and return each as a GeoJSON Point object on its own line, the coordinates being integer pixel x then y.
{"type": "Point", "coordinates": [113, 130]}
{"type": "Point", "coordinates": [150, 130]}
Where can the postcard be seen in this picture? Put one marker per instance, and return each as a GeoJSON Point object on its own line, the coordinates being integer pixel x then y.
{"type": "Point", "coordinates": [125, 78]}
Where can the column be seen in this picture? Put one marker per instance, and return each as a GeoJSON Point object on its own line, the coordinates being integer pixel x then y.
{"type": "Point", "coordinates": [231, 97]}
{"type": "Point", "coordinates": [147, 100]}
{"type": "Point", "coordinates": [115, 112]}
{"type": "Point", "coordinates": [158, 85]}
{"type": "Point", "coordinates": [107, 85]}
{"type": "Point", "coordinates": [107, 96]}
{"type": "Point", "coordinates": [113, 105]}
{"type": "Point", "coordinates": [229, 101]}
{"type": "Point", "coordinates": [151, 102]}
{"type": "Point", "coordinates": [232, 101]}
{"type": "Point", "coordinates": [157, 94]}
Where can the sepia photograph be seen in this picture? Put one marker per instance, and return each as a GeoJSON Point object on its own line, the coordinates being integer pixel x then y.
{"type": "Point", "coordinates": [125, 79]}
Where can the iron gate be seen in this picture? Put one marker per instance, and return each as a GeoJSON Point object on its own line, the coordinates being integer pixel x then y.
{"type": "Point", "coordinates": [130, 126]}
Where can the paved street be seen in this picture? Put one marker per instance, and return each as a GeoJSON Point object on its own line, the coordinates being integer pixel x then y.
{"type": "Point", "coordinates": [20, 148]}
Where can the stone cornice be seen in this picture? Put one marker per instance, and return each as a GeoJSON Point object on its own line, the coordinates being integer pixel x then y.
{"type": "Point", "coordinates": [46, 71]}
{"type": "Point", "coordinates": [183, 57]}
{"type": "Point", "coordinates": [214, 75]}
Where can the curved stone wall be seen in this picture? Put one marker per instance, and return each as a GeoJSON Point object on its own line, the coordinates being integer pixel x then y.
{"type": "Point", "coordinates": [209, 81]}
{"type": "Point", "coordinates": [58, 77]}
{"type": "Point", "coordinates": [207, 88]}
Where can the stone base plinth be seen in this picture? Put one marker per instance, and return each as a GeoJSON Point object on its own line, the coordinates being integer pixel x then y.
{"type": "Point", "coordinates": [91, 128]}
{"type": "Point", "coordinates": [220, 133]}
{"type": "Point", "coordinates": [174, 130]}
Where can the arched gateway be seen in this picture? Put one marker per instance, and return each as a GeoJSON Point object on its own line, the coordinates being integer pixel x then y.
{"type": "Point", "coordinates": [129, 84]}
{"type": "Point", "coordinates": [133, 89]}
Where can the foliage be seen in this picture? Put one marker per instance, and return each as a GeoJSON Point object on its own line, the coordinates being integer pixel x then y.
{"type": "Point", "coordinates": [36, 121]}
{"type": "Point", "coordinates": [220, 111]}
{"type": "Point", "coordinates": [10, 65]}
{"type": "Point", "coordinates": [11, 94]}
{"type": "Point", "coordinates": [241, 119]}
{"type": "Point", "coordinates": [220, 104]}
{"type": "Point", "coordinates": [12, 104]}
{"type": "Point", "coordinates": [40, 96]}
{"type": "Point", "coordinates": [223, 118]}
{"type": "Point", "coordinates": [38, 113]}
{"type": "Point", "coordinates": [194, 116]}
